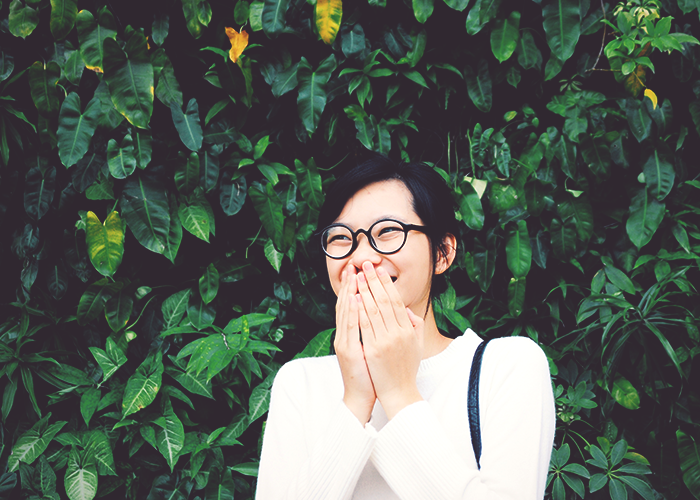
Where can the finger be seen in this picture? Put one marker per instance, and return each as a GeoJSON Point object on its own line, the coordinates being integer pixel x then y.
{"type": "Point", "coordinates": [341, 309]}
{"type": "Point", "coordinates": [353, 320]}
{"type": "Point", "coordinates": [395, 300]}
{"type": "Point", "coordinates": [416, 320]}
{"type": "Point", "coordinates": [381, 297]}
{"type": "Point", "coordinates": [368, 334]}
{"type": "Point", "coordinates": [370, 306]}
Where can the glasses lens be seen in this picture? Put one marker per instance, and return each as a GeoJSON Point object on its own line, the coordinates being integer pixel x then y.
{"type": "Point", "coordinates": [337, 241]}
{"type": "Point", "coordinates": [388, 235]}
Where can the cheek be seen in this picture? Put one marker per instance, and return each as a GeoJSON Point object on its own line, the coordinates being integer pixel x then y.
{"type": "Point", "coordinates": [334, 269]}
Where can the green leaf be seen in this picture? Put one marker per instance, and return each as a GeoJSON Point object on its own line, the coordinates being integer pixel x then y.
{"type": "Point", "coordinates": [120, 158]}
{"type": "Point", "coordinates": [129, 76]}
{"type": "Point", "coordinates": [99, 446]}
{"type": "Point", "coordinates": [209, 284]}
{"type": "Point", "coordinates": [273, 256]}
{"type": "Point", "coordinates": [118, 311]}
{"type": "Point", "coordinates": [187, 124]}
{"type": "Point", "coordinates": [74, 67]}
{"type": "Point", "coordinates": [63, 14]}
{"type": "Point", "coordinates": [646, 214]}
{"type": "Point", "coordinates": [638, 119]}
{"type": "Point", "coordinates": [172, 244]}
{"type": "Point", "coordinates": [145, 208]}
{"type": "Point", "coordinates": [504, 36]}
{"type": "Point", "coordinates": [105, 242]}
{"type": "Point", "coordinates": [618, 452]}
{"type": "Point", "coordinates": [81, 476]}
{"type": "Point", "coordinates": [143, 385]}
{"type": "Point", "coordinates": [39, 191]}
{"type": "Point", "coordinates": [195, 219]}
{"type": "Point", "coordinates": [42, 85]}
{"type": "Point", "coordinates": [168, 88]}
{"type": "Point", "coordinates": [75, 130]}
{"type": "Point", "coordinates": [142, 148]}
{"type": "Point", "coordinates": [220, 486]}
{"type": "Point", "coordinates": [562, 25]}
{"type": "Point", "coordinates": [483, 261]}
{"type": "Point", "coordinates": [273, 17]}
{"type": "Point", "coordinates": [88, 404]}
{"type": "Point", "coordinates": [33, 443]}
{"type": "Point", "coordinates": [579, 211]}
{"type": "Point", "coordinates": [232, 194]}
{"type": "Point", "coordinates": [190, 8]}
{"type": "Point", "coordinates": [310, 183]}
{"type": "Point", "coordinates": [625, 394]}
{"type": "Point", "coordinates": [479, 86]}
{"type": "Point", "coordinates": [7, 65]}
{"type": "Point", "coordinates": [689, 455]}
{"type": "Point", "coordinates": [269, 208]}
{"type": "Point", "coordinates": [174, 308]}
{"type": "Point", "coordinates": [259, 402]}
{"type": "Point", "coordinates": [312, 89]}
{"type": "Point", "coordinates": [187, 173]}
{"type": "Point", "coordinates": [620, 279]}
{"type": "Point", "coordinates": [529, 56]}
{"type": "Point", "coordinates": [662, 116]}
{"type": "Point", "coordinates": [44, 480]}
{"type": "Point", "coordinates": [93, 300]}
{"type": "Point", "coordinates": [617, 490]}
{"type": "Point", "coordinates": [563, 238]}
{"type": "Point", "coordinates": [22, 19]}
{"type": "Point", "coordinates": [201, 315]}
{"type": "Point", "coordinates": [659, 174]}
{"type": "Point", "coordinates": [92, 33]}
{"type": "Point", "coordinates": [352, 40]}
{"type": "Point", "coordinates": [518, 250]}
{"type": "Point", "coordinates": [470, 206]}
{"type": "Point", "coordinates": [109, 361]}
{"type": "Point", "coordinates": [459, 5]}
{"type": "Point", "coordinates": [363, 124]}
{"type": "Point", "coordinates": [423, 9]}
{"type": "Point", "coordinates": [320, 345]}
{"type": "Point", "coordinates": [170, 437]}
{"type": "Point", "coordinates": [196, 384]}
{"type": "Point", "coordinates": [516, 295]}
{"type": "Point", "coordinates": [639, 486]}
{"type": "Point", "coordinates": [159, 30]}
{"type": "Point", "coordinates": [597, 482]}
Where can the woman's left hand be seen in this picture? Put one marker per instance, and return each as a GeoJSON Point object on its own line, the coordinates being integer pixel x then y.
{"type": "Point", "coordinates": [393, 340]}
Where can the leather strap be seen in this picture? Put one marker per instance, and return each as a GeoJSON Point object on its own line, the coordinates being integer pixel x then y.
{"type": "Point", "coordinates": [473, 402]}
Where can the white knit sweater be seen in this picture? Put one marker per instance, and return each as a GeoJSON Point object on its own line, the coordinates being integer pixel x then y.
{"type": "Point", "coordinates": [314, 448]}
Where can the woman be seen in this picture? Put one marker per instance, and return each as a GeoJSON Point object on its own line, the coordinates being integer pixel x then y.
{"type": "Point", "coordinates": [386, 417]}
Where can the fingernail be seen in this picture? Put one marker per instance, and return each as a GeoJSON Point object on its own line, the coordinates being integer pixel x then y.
{"type": "Point", "coordinates": [361, 278]}
{"type": "Point", "coordinates": [380, 271]}
{"type": "Point", "coordinates": [359, 298]}
{"type": "Point", "coordinates": [367, 266]}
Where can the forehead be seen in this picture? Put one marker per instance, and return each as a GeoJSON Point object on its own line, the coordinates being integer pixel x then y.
{"type": "Point", "coordinates": [386, 199]}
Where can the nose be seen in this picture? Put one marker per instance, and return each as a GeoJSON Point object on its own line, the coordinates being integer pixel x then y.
{"type": "Point", "coordinates": [364, 252]}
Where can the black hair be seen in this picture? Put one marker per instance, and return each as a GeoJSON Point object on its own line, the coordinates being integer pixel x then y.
{"type": "Point", "coordinates": [431, 200]}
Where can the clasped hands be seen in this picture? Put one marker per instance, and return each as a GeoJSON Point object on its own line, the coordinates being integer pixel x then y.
{"type": "Point", "coordinates": [385, 364]}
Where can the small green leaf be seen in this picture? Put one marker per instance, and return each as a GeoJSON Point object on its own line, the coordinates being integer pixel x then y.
{"type": "Point", "coordinates": [504, 36]}
{"type": "Point", "coordinates": [88, 403]}
{"type": "Point", "coordinates": [209, 284]}
{"type": "Point", "coordinates": [625, 394]}
{"type": "Point", "coordinates": [188, 125]}
{"type": "Point", "coordinates": [105, 242]}
{"type": "Point", "coordinates": [63, 14]}
{"type": "Point", "coordinates": [143, 385]}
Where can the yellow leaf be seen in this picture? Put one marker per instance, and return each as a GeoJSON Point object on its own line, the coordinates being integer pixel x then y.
{"type": "Point", "coordinates": [650, 94]}
{"type": "Point", "coordinates": [105, 242]}
{"type": "Point", "coordinates": [239, 41]}
{"type": "Point", "coordinates": [328, 14]}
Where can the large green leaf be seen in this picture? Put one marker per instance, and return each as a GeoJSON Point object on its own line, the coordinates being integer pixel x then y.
{"type": "Point", "coordinates": [105, 242]}
{"type": "Point", "coordinates": [596, 154]}
{"type": "Point", "coordinates": [109, 360]}
{"type": "Point", "coordinates": [159, 30]}
{"type": "Point", "coordinates": [92, 33]}
{"type": "Point", "coordinates": [423, 9]}
{"type": "Point", "coordinates": [220, 486]}
{"type": "Point", "coordinates": [145, 208]}
{"type": "Point", "coordinates": [689, 454]}
{"type": "Point", "coordinates": [99, 446]}
{"type": "Point", "coordinates": [479, 86]}
{"type": "Point", "coordinates": [312, 91]}
{"type": "Point", "coordinates": [481, 263]}
{"type": "Point", "coordinates": [94, 299]}
{"type": "Point", "coordinates": [187, 173]}
{"type": "Point", "coordinates": [273, 17]}
{"type": "Point", "coordinates": [363, 124]}
{"type": "Point", "coordinates": [22, 19]}
{"type": "Point", "coordinates": [646, 214]}
{"type": "Point", "coordinates": [81, 476]}
{"type": "Point", "coordinates": [42, 85]}
{"type": "Point", "coordinates": [170, 437]}
{"type": "Point", "coordinates": [63, 14]}
{"type": "Point", "coordinates": [120, 158]}
{"type": "Point", "coordinates": [563, 238]}
{"type": "Point", "coordinates": [174, 308]}
{"type": "Point", "coordinates": [209, 171]}
{"type": "Point", "coordinates": [529, 56]}
{"type": "Point", "coordinates": [75, 129]}
{"type": "Point", "coordinates": [659, 174]}
{"type": "Point", "coordinates": [470, 206]}
{"type": "Point", "coordinates": [269, 208]}
{"type": "Point", "coordinates": [118, 310]}
{"type": "Point", "coordinates": [39, 188]}
{"type": "Point", "coordinates": [129, 76]}
{"type": "Point", "coordinates": [504, 36]}
{"type": "Point", "coordinates": [209, 284]}
{"type": "Point", "coordinates": [579, 211]}
{"type": "Point", "coordinates": [7, 65]}
{"type": "Point", "coordinates": [143, 386]}
{"type": "Point", "coordinates": [33, 443]}
{"type": "Point", "coordinates": [259, 402]}
{"type": "Point", "coordinates": [190, 8]}
{"type": "Point", "coordinates": [142, 148]}
{"type": "Point", "coordinates": [88, 403]}
{"type": "Point", "coordinates": [562, 24]}
{"type": "Point", "coordinates": [201, 315]}
{"type": "Point", "coordinates": [310, 183]}
{"type": "Point", "coordinates": [195, 219]}
{"type": "Point", "coordinates": [516, 296]}
{"type": "Point", "coordinates": [638, 119]}
{"type": "Point", "coordinates": [518, 250]}
{"type": "Point", "coordinates": [187, 124]}
{"type": "Point", "coordinates": [172, 244]}
{"type": "Point", "coordinates": [168, 89]}
{"type": "Point", "coordinates": [232, 194]}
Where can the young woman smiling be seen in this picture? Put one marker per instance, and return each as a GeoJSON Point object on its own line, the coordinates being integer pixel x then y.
{"type": "Point", "coordinates": [387, 416]}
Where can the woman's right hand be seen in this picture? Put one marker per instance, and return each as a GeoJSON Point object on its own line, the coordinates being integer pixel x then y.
{"type": "Point", "coordinates": [359, 394]}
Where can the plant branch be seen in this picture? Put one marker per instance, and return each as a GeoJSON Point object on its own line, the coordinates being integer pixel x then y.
{"type": "Point", "coordinates": [602, 43]}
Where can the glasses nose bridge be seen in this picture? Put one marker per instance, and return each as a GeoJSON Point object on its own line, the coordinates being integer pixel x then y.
{"type": "Point", "coordinates": [358, 250]}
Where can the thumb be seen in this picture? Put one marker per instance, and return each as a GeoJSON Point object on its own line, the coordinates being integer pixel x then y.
{"type": "Point", "coordinates": [416, 321]}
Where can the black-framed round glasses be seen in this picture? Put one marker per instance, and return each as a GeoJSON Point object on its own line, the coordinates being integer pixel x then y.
{"type": "Point", "coordinates": [386, 236]}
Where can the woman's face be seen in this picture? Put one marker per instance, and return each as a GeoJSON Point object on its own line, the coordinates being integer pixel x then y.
{"type": "Point", "coordinates": [411, 267]}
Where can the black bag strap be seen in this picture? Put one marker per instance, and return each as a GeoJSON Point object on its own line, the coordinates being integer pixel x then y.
{"type": "Point", "coordinates": [473, 401]}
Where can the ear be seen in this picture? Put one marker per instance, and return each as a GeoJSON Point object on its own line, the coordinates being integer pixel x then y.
{"type": "Point", "coordinates": [446, 253]}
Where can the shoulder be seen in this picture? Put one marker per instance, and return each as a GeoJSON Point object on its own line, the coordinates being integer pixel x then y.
{"type": "Point", "coordinates": [510, 355]}
{"type": "Point", "coordinates": [308, 372]}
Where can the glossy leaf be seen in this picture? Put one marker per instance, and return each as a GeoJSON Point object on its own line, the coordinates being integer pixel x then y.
{"type": "Point", "coordinates": [273, 17]}
{"type": "Point", "coordinates": [159, 30]}
{"type": "Point", "coordinates": [312, 90]}
{"type": "Point", "coordinates": [39, 189]}
{"type": "Point", "coordinates": [327, 15]}
{"type": "Point", "coordinates": [33, 442]}
{"type": "Point", "coordinates": [109, 360]}
{"type": "Point", "coordinates": [659, 174]}
{"type": "Point", "coordinates": [579, 211]}
{"type": "Point", "coordinates": [120, 157]}
{"type": "Point", "coordinates": [170, 437]}
{"type": "Point", "coordinates": [187, 124]}
{"type": "Point", "coordinates": [105, 242]}
{"type": "Point", "coordinates": [625, 393]}
{"type": "Point", "coordinates": [269, 208]}
{"type": "Point", "coordinates": [563, 238]}
{"type": "Point", "coordinates": [93, 300]}
{"type": "Point", "coordinates": [22, 19]}
{"type": "Point", "coordinates": [470, 206]}
{"type": "Point", "coordinates": [92, 33]}
{"type": "Point", "coordinates": [516, 296]}
{"type": "Point", "coordinates": [201, 315]}
{"type": "Point", "coordinates": [209, 284]}
{"type": "Point", "coordinates": [88, 404]}
{"type": "Point", "coordinates": [63, 14]}
{"type": "Point", "coordinates": [529, 56]}
{"type": "Point", "coordinates": [259, 402]}
{"type": "Point", "coordinates": [232, 194]}
{"type": "Point", "coordinates": [562, 24]}
{"type": "Point", "coordinates": [144, 205]}
{"type": "Point", "coordinates": [118, 311]}
{"type": "Point", "coordinates": [483, 264]}
{"type": "Point", "coordinates": [42, 85]}
{"type": "Point", "coordinates": [638, 119]}
{"type": "Point", "coordinates": [81, 476]}
{"type": "Point", "coordinates": [194, 219]}
{"type": "Point", "coordinates": [143, 385]}
{"type": "Point", "coordinates": [689, 454]}
{"type": "Point", "coordinates": [129, 76]}
{"type": "Point", "coordinates": [518, 250]}
{"type": "Point", "coordinates": [646, 214]}
{"type": "Point", "coordinates": [423, 9]}
{"type": "Point", "coordinates": [504, 36]}
{"type": "Point", "coordinates": [142, 148]}
{"type": "Point", "coordinates": [190, 8]}
{"type": "Point", "coordinates": [75, 129]}
{"type": "Point", "coordinates": [168, 88]}
{"type": "Point", "coordinates": [479, 86]}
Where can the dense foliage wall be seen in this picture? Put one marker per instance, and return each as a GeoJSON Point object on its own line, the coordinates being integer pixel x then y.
{"type": "Point", "coordinates": [162, 165]}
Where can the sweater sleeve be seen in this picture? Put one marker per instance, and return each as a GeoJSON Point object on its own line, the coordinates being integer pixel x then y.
{"type": "Point", "coordinates": [313, 446]}
{"type": "Point", "coordinates": [417, 458]}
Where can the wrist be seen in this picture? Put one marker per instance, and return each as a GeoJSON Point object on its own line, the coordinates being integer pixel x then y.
{"type": "Point", "coordinates": [393, 404]}
{"type": "Point", "coordinates": [361, 410]}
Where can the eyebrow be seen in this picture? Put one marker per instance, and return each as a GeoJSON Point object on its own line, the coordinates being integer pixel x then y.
{"type": "Point", "coordinates": [381, 217]}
